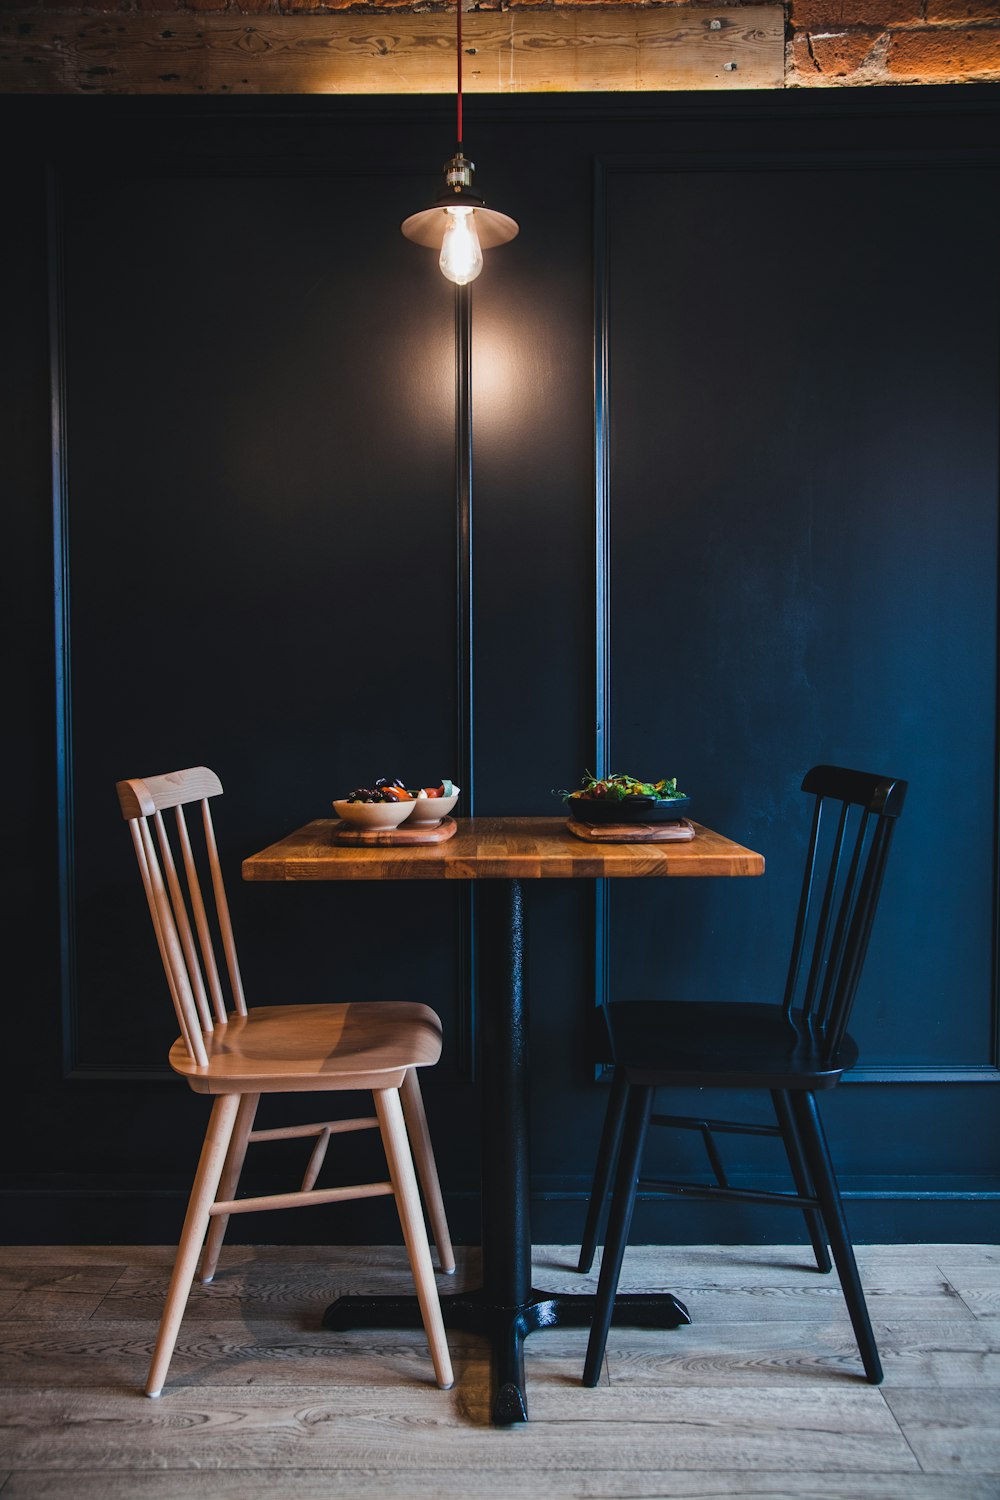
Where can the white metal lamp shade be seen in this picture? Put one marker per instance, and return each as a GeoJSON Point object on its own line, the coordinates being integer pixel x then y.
{"type": "Point", "coordinates": [459, 225]}
{"type": "Point", "coordinates": [428, 227]}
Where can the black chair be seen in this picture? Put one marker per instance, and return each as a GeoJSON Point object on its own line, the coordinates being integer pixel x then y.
{"type": "Point", "coordinates": [793, 1050]}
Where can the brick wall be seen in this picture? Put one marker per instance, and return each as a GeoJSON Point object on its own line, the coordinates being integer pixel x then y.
{"type": "Point", "coordinates": [892, 41]}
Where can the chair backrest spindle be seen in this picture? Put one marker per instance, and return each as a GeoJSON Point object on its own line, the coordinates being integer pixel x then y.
{"type": "Point", "coordinates": [805, 903]}
{"type": "Point", "coordinates": [170, 950]}
{"type": "Point", "coordinates": [222, 908]}
{"type": "Point", "coordinates": [864, 917]}
{"type": "Point", "coordinates": [182, 924]}
{"type": "Point", "coordinates": [842, 930]}
{"type": "Point", "coordinates": [201, 918]}
{"type": "Point", "coordinates": [140, 854]}
{"type": "Point", "coordinates": [836, 938]}
{"type": "Point", "coordinates": [820, 954]}
{"type": "Point", "coordinates": [192, 971]}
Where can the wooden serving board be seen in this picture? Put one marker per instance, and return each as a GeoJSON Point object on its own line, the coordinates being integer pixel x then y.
{"type": "Point", "coordinates": [633, 833]}
{"type": "Point", "coordinates": [343, 833]}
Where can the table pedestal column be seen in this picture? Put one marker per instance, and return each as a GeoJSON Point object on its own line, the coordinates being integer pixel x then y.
{"type": "Point", "coordinates": [507, 1307]}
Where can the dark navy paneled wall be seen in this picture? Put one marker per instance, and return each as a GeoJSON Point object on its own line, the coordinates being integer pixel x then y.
{"type": "Point", "coordinates": [231, 527]}
{"type": "Point", "coordinates": [803, 493]}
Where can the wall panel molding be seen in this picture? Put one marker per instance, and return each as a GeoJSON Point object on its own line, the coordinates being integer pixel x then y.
{"type": "Point", "coordinates": [84, 1065]}
{"type": "Point", "coordinates": [972, 1070]}
{"type": "Point", "coordinates": [62, 627]}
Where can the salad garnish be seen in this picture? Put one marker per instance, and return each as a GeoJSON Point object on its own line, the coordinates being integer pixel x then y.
{"type": "Point", "coordinates": [622, 788]}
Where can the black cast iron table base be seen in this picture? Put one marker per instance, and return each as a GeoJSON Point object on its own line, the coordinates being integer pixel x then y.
{"type": "Point", "coordinates": [506, 1328]}
{"type": "Point", "coordinates": [506, 1308]}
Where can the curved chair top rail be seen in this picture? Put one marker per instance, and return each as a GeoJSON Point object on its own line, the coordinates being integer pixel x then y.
{"type": "Point", "coordinates": [883, 795]}
{"type": "Point", "coordinates": [144, 796]}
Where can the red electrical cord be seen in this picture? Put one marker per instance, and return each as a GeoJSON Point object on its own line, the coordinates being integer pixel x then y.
{"type": "Point", "coordinates": [460, 74]}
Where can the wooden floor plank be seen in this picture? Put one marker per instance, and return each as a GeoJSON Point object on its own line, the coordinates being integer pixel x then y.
{"type": "Point", "coordinates": [53, 1277]}
{"type": "Point", "coordinates": [62, 1309]}
{"type": "Point", "coordinates": [989, 1326]}
{"type": "Point", "coordinates": [964, 1255]}
{"type": "Point", "coordinates": [297, 1292]}
{"type": "Point", "coordinates": [477, 1484]}
{"type": "Point", "coordinates": [117, 1357]}
{"type": "Point", "coordinates": [571, 1428]}
{"type": "Point", "coordinates": [18, 1256]}
{"type": "Point", "coordinates": [761, 1396]}
{"type": "Point", "coordinates": [924, 1354]}
{"type": "Point", "coordinates": [808, 1301]}
{"type": "Point", "coordinates": [731, 1268]}
{"type": "Point", "coordinates": [916, 1354]}
{"type": "Point", "coordinates": [979, 1288]}
{"type": "Point", "coordinates": [955, 1431]}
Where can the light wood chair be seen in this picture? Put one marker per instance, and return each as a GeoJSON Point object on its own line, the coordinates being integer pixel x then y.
{"type": "Point", "coordinates": [238, 1054]}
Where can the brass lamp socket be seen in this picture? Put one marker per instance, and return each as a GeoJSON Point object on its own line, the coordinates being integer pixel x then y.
{"type": "Point", "coordinates": [458, 172]}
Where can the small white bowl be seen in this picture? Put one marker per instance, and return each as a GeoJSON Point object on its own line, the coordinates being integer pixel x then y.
{"type": "Point", "coordinates": [428, 811]}
{"type": "Point", "coordinates": [377, 817]}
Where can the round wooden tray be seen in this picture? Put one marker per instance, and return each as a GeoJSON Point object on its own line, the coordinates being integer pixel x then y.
{"type": "Point", "coordinates": [343, 833]}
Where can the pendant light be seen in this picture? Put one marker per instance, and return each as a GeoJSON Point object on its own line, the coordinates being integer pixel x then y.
{"type": "Point", "coordinates": [459, 224]}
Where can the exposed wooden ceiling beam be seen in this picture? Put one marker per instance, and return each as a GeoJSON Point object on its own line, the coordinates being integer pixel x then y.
{"type": "Point", "coordinates": [612, 50]}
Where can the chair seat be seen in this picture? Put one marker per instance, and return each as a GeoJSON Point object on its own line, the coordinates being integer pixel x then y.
{"type": "Point", "coordinates": [309, 1048]}
{"type": "Point", "coordinates": [721, 1044]}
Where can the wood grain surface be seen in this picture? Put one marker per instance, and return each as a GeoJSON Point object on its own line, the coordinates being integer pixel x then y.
{"type": "Point", "coordinates": [754, 1399]}
{"type": "Point", "coordinates": [498, 848]}
{"type": "Point", "coordinates": [680, 832]}
{"type": "Point", "coordinates": [390, 838]}
{"type": "Point", "coordinates": [311, 1048]}
{"type": "Point", "coordinates": [625, 49]}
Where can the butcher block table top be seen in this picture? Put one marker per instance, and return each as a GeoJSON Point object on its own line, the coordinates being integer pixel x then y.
{"type": "Point", "coordinates": [497, 848]}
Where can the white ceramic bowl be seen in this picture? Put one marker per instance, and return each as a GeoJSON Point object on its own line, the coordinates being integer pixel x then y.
{"type": "Point", "coordinates": [377, 817]}
{"type": "Point", "coordinates": [428, 811]}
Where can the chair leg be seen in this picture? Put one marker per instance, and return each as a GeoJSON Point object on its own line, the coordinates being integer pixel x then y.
{"type": "Point", "coordinates": [206, 1183]}
{"type": "Point", "coordinates": [423, 1156]}
{"type": "Point", "coordinates": [607, 1155]}
{"type": "Point", "coordinates": [800, 1176]}
{"type": "Point", "coordinates": [638, 1110]}
{"type": "Point", "coordinates": [411, 1217]}
{"type": "Point", "coordinates": [817, 1154]}
{"type": "Point", "coordinates": [228, 1184]}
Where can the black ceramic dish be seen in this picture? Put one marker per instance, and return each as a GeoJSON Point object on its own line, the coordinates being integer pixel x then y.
{"type": "Point", "coordinates": [630, 810]}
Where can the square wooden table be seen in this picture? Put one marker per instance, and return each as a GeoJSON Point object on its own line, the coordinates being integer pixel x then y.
{"type": "Point", "coordinates": [502, 853]}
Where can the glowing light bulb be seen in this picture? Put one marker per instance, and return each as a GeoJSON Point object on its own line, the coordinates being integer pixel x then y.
{"type": "Point", "coordinates": [461, 253]}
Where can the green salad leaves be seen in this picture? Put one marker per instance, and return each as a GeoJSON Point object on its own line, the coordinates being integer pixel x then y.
{"type": "Point", "coordinates": [620, 788]}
